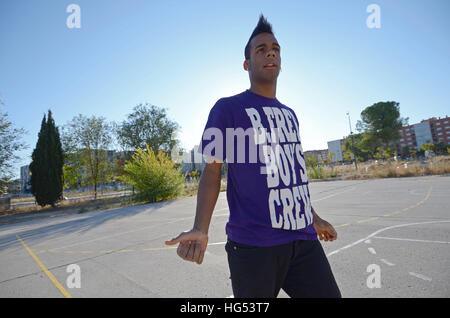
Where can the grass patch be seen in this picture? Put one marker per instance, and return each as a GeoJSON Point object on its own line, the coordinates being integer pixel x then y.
{"type": "Point", "coordinates": [395, 169]}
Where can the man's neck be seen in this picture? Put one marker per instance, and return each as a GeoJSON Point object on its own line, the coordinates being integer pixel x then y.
{"type": "Point", "coordinates": [267, 90]}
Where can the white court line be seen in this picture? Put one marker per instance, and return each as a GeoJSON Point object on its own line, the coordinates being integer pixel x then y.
{"type": "Point", "coordinates": [333, 195]}
{"type": "Point", "coordinates": [372, 250]}
{"type": "Point", "coordinates": [379, 231]}
{"type": "Point", "coordinates": [132, 231]}
{"type": "Point", "coordinates": [420, 276]}
{"type": "Point", "coordinates": [409, 240]}
{"type": "Point", "coordinates": [386, 262]}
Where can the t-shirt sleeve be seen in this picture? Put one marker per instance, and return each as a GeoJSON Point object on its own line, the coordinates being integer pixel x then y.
{"type": "Point", "coordinates": [212, 144]}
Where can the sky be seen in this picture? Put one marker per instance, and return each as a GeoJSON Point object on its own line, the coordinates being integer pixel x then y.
{"type": "Point", "coordinates": [185, 55]}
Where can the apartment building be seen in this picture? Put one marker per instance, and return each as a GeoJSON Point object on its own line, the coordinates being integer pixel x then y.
{"type": "Point", "coordinates": [432, 130]}
{"type": "Point", "coordinates": [335, 147]}
{"type": "Point", "coordinates": [440, 129]}
{"type": "Point", "coordinates": [321, 155]}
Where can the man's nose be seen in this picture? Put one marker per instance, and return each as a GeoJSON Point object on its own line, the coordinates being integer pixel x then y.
{"type": "Point", "coordinates": [271, 53]}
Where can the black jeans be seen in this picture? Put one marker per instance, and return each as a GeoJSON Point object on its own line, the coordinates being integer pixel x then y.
{"type": "Point", "coordinates": [300, 268]}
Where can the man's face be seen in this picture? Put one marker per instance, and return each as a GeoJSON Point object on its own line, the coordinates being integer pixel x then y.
{"type": "Point", "coordinates": [265, 61]}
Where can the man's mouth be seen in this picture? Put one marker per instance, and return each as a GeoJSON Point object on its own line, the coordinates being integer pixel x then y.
{"type": "Point", "coordinates": [270, 66]}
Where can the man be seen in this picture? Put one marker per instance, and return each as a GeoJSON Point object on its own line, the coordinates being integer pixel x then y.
{"type": "Point", "coordinates": [272, 228]}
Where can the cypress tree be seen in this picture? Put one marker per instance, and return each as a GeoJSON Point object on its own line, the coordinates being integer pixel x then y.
{"type": "Point", "coordinates": [56, 160]}
{"type": "Point", "coordinates": [46, 166]}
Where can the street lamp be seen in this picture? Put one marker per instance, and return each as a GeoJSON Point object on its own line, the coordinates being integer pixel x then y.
{"type": "Point", "coordinates": [351, 134]}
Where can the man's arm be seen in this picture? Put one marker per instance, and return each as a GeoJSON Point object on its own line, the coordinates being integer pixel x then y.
{"type": "Point", "coordinates": [193, 243]}
{"type": "Point", "coordinates": [208, 192]}
{"type": "Point", "coordinates": [324, 230]}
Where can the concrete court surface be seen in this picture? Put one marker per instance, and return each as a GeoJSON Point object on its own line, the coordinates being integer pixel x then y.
{"type": "Point", "coordinates": [393, 241]}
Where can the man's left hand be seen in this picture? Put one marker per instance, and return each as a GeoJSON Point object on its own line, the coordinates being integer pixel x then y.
{"type": "Point", "coordinates": [325, 230]}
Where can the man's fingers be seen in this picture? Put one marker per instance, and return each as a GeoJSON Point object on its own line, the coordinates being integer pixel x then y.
{"type": "Point", "coordinates": [185, 236]}
{"type": "Point", "coordinates": [332, 233]}
{"type": "Point", "coordinates": [190, 254]}
{"type": "Point", "coordinates": [177, 239]}
{"type": "Point", "coordinates": [182, 250]}
{"type": "Point", "coordinates": [200, 258]}
{"type": "Point", "coordinates": [196, 251]}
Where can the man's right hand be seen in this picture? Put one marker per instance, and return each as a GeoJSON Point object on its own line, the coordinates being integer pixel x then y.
{"type": "Point", "coordinates": [192, 246]}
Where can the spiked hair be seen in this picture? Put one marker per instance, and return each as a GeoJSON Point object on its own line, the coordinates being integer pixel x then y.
{"type": "Point", "coordinates": [263, 26]}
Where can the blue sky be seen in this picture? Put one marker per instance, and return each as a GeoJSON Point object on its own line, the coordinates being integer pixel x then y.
{"type": "Point", "coordinates": [185, 55]}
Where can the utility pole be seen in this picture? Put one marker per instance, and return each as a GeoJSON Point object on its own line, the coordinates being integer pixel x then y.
{"type": "Point", "coordinates": [351, 134]}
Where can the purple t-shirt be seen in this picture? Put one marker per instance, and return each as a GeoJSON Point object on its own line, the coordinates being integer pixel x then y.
{"type": "Point", "coordinates": [267, 185]}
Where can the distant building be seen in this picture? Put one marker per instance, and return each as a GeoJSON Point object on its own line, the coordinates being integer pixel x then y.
{"type": "Point", "coordinates": [432, 130]}
{"type": "Point", "coordinates": [335, 147]}
{"type": "Point", "coordinates": [321, 155]}
{"type": "Point", "coordinates": [25, 179]}
{"type": "Point", "coordinates": [193, 160]}
{"type": "Point", "coordinates": [440, 129]}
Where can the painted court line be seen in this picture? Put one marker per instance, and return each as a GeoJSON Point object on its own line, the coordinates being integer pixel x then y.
{"type": "Point", "coordinates": [379, 231]}
{"type": "Point", "coordinates": [367, 220]}
{"type": "Point", "coordinates": [332, 195]}
{"type": "Point", "coordinates": [46, 271]}
{"type": "Point", "coordinates": [342, 225]}
{"type": "Point", "coordinates": [387, 262]}
{"type": "Point", "coordinates": [135, 230]}
{"type": "Point", "coordinates": [420, 276]}
{"type": "Point", "coordinates": [409, 240]}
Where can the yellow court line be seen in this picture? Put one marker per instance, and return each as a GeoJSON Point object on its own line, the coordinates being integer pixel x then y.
{"type": "Point", "coordinates": [367, 220]}
{"type": "Point", "coordinates": [429, 192]}
{"type": "Point", "coordinates": [107, 251]}
{"type": "Point", "coordinates": [342, 225]}
{"type": "Point", "coordinates": [158, 248]}
{"type": "Point", "coordinates": [172, 247]}
{"type": "Point", "coordinates": [46, 271]}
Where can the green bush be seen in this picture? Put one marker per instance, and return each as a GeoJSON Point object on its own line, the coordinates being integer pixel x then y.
{"type": "Point", "coordinates": [155, 177]}
{"type": "Point", "coordinates": [315, 173]}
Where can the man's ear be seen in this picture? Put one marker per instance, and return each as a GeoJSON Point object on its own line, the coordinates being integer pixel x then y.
{"type": "Point", "coordinates": [246, 65]}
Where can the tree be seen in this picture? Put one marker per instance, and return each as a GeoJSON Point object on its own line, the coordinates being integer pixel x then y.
{"type": "Point", "coordinates": [428, 146]}
{"type": "Point", "coordinates": [347, 156]}
{"type": "Point", "coordinates": [311, 161]}
{"type": "Point", "coordinates": [331, 158]}
{"type": "Point", "coordinates": [154, 176]}
{"type": "Point", "coordinates": [406, 151]}
{"type": "Point", "coordinates": [360, 147]}
{"type": "Point", "coordinates": [147, 125]}
{"type": "Point", "coordinates": [381, 123]}
{"type": "Point", "coordinates": [88, 140]}
{"type": "Point", "coordinates": [10, 143]}
{"type": "Point", "coordinates": [441, 148]}
{"type": "Point", "coordinates": [47, 164]}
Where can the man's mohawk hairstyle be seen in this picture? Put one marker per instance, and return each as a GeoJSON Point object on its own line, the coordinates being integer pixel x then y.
{"type": "Point", "coordinates": [263, 27]}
